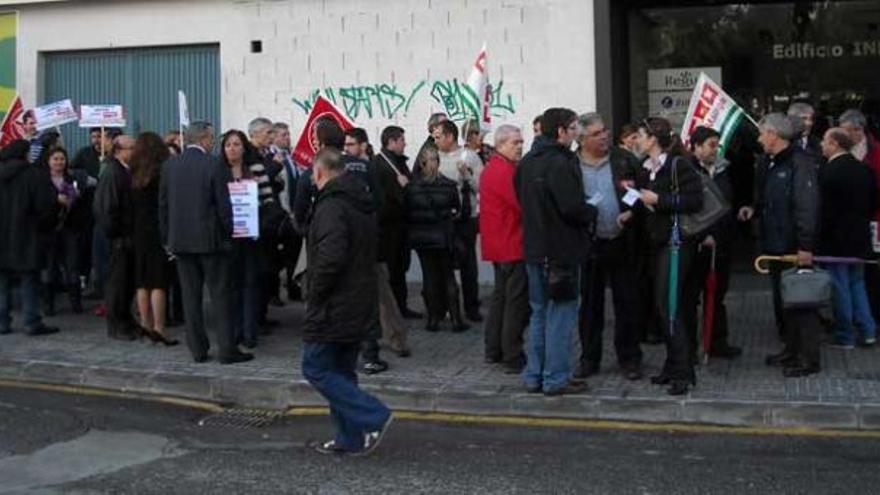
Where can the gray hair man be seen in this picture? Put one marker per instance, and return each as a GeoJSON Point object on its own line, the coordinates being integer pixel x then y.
{"type": "Point", "coordinates": [195, 222]}
{"type": "Point", "coordinates": [604, 168]}
{"type": "Point", "coordinates": [803, 116]}
{"type": "Point", "coordinates": [501, 244]}
{"type": "Point", "coordinates": [787, 204]}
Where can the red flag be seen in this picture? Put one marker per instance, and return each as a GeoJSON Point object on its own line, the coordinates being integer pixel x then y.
{"type": "Point", "coordinates": [13, 127]}
{"type": "Point", "coordinates": [304, 152]}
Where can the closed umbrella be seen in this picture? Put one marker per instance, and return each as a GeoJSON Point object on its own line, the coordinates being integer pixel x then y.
{"type": "Point", "coordinates": [674, 247]}
{"type": "Point", "coordinates": [709, 307]}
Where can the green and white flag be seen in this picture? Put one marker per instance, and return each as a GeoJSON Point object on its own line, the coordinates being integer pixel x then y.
{"type": "Point", "coordinates": [479, 91]}
{"type": "Point", "coordinates": [713, 108]}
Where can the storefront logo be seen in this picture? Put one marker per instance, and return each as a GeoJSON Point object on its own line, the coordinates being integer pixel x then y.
{"type": "Point", "coordinates": [800, 51]}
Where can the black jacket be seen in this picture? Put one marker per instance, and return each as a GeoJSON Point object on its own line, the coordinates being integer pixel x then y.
{"type": "Point", "coordinates": [195, 212]}
{"type": "Point", "coordinates": [849, 199]}
{"type": "Point", "coordinates": [689, 197]}
{"type": "Point", "coordinates": [392, 210]}
{"type": "Point", "coordinates": [29, 207]}
{"type": "Point", "coordinates": [557, 221]}
{"type": "Point", "coordinates": [431, 209]}
{"type": "Point", "coordinates": [87, 159]}
{"type": "Point", "coordinates": [341, 302]}
{"type": "Point", "coordinates": [787, 201]}
{"type": "Point", "coordinates": [306, 191]}
{"type": "Point", "coordinates": [112, 205]}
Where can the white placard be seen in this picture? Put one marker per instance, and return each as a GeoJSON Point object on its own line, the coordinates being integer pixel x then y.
{"type": "Point", "coordinates": [55, 114]}
{"type": "Point", "coordinates": [182, 109]}
{"type": "Point", "coordinates": [101, 116]}
{"type": "Point", "coordinates": [245, 209]}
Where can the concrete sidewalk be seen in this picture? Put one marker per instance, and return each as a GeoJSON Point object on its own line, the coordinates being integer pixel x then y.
{"type": "Point", "coordinates": [446, 373]}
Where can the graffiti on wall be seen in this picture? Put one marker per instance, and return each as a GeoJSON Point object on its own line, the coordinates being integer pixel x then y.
{"type": "Point", "coordinates": [389, 100]}
{"type": "Point", "coordinates": [8, 30]}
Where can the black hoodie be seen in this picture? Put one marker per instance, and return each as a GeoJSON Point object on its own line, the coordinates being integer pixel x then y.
{"type": "Point", "coordinates": [341, 300]}
{"type": "Point", "coordinates": [29, 208]}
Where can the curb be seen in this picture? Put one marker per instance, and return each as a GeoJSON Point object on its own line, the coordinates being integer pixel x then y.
{"type": "Point", "coordinates": [297, 393]}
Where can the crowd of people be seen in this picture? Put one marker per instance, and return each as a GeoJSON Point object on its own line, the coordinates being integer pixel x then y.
{"type": "Point", "coordinates": [145, 224]}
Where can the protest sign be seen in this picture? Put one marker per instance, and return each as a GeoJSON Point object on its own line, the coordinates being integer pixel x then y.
{"type": "Point", "coordinates": [101, 116]}
{"type": "Point", "coordinates": [55, 115]}
{"type": "Point", "coordinates": [245, 209]}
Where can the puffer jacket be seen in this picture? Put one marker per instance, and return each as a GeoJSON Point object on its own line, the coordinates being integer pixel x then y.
{"type": "Point", "coordinates": [341, 302]}
{"type": "Point", "coordinates": [432, 207]}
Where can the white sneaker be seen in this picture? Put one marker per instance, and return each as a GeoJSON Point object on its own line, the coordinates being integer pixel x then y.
{"type": "Point", "coordinates": [374, 438]}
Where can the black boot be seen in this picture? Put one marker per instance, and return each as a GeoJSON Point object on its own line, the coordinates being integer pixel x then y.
{"type": "Point", "coordinates": [458, 323]}
{"type": "Point", "coordinates": [75, 298]}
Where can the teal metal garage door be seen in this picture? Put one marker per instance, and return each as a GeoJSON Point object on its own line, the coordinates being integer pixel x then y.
{"type": "Point", "coordinates": [144, 80]}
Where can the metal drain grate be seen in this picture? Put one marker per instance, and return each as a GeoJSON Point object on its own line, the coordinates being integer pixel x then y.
{"type": "Point", "coordinates": [241, 418]}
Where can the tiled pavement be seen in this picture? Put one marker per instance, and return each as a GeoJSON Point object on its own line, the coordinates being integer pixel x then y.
{"type": "Point", "coordinates": [447, 373]}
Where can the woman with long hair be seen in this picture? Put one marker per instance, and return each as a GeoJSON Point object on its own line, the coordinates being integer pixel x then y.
{"type": "Point", "coordinates": [151, 261]}
{"type": "Point", "coordinates": [238, 155]}
{"type": "Point", "coordinates": [670, 188]}
{"type": "Point", "coordinates": [64, 261]}
{"type": "Point", "coordinates": [432, 206]}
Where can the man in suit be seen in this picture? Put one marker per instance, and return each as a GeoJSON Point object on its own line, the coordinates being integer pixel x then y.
{"type": "Point", "coordinates": [195, 220]}
{"type": "Point", "coordinates": [804, 117]}
{"type": "Point", "coordinates": [848, 197]}
{"type": "Point", "coordinates": [113, 212]}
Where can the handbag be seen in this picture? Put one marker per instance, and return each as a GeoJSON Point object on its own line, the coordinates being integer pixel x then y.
{"type": "Point", "coordinates": [562, 280]}
{"type": "Point", "coordinates": [715, 206]}
{"type": "Point", "coordinates": [805, 288]}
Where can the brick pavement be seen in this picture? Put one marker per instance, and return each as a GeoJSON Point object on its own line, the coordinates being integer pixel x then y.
{"type": "Point", "coordinates": [447, 373]}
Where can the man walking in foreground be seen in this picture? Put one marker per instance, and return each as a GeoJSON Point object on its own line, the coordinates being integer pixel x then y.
{"type": "Point", "coordinates": [341, 304]}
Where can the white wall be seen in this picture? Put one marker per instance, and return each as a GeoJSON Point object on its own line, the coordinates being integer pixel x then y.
{"type": "Point", "coordinates": [542, 51]}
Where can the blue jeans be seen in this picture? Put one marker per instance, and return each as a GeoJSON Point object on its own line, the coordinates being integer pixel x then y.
{"type": "Point", "coordinates": [850, 303]}
{"type": "Point", "coordinates": [551, 325]}
{"type": "Point", "coordinates": [30, 299]}
{"type": "Point", "coordinates": [330, 368]}
{"type": "Point", "coordinates": [246, 290]}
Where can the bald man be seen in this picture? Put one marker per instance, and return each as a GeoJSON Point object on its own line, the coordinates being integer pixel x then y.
{"type": "Point", "coordinates": [112, 208]}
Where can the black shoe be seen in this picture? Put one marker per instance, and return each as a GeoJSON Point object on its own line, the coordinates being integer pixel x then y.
{"type": "Point", "coordinates": [586, 370]}
{"type": "Point", "coordinates": [631, 372]}
{"type": "Point", "coordinates": [661, 379]}
{"type": "Point", "coordinates": [237, 357]}
{"type": "Point", "coordinates": [402, 352]}
{"type": "Point", "coordinates": [533, 389]}
{"type": "Point", "coordinates": [294, 294]}
{"type": "Point", "coordinates": [201, 359]}
{"type": "Point", "coordinates": [42, 330]}
{"type": "Point", "coordinates": [330, 448]}
{"type": "Point", "coordinates": [375, 367]}
{"type": "Point", "coordinates": [515, 366]}
{"type": "Point", "coordinates": [5, 331]}
{"type": "Point", "coordinates": [678, 387]}
{"type": "Point", "coordinates": [460, 326]}
{"type": "Point", "coordinates": [726, 352]}
{"type": "Point", "coordinates": [433, 325]}
{"type": "Point", "coordinates": [410, 314]}
{"type": "Point", "coordinates": [800, 370]}
{"type": "Point", "coordinates": [249, 343]}
{"type": "Point", "coordinates": [784, 359]}
{"type": "Point", "coordinates": [571, 388]}
{"type": "Point", "coordinates": [474, 316]}
{"type": "Point", "coordinates": [492, 360]}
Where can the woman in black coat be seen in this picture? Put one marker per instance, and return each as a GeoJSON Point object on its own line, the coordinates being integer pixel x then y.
{"type": "Point", "coordinates": [151, 262]}
{"type": "Point", "coordinates": [432, 206]}
{"type": "Point", "coordinates": [64, 259]}
{"type": "Point", "coordinates": [670, 187]}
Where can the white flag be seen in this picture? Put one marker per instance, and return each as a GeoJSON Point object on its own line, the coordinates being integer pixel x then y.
{"type": "Point", "coordinates": [480, 91]}
{"type": "Point", "coordinates": [713, 108]}
{"type": "Point", "coordinates": [183, 109]}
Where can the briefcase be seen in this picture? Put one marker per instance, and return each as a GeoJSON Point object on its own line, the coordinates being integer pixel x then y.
{"type": "Point", "coordinates": [806, 288]}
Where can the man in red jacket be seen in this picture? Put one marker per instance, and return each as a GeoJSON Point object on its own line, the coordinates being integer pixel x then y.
{"type": "Point", "coordinates": [501, 238]}
{"type": "Point", "coordinates": [867, 149]}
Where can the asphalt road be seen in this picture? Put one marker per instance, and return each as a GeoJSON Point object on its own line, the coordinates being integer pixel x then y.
{"type": "Point", "coordinates": [60, 443]}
